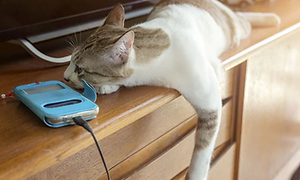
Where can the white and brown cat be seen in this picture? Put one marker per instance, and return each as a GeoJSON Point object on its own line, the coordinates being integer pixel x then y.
{"type": "Point", "coordinates": [177, 47]}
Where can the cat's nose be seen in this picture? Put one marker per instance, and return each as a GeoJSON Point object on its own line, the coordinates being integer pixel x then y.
{"type": "Point", "coordinates": [67, 79]}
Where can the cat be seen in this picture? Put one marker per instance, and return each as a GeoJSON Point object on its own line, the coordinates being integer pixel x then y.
{"type": "Point", "coordinates": [240, 2]}
{"type": "Point", "coordinates": [177, 47]}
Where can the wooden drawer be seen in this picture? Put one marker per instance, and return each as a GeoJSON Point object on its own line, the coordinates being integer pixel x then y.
{"type": "Point", "coordinates": [228, 89]}
{"type": "Point", "coordinates": [178, 157]}
{"type": "Point", "coordinates": [124, 143]}
{"type": "Point", "coordinates": [171, 162]}
{"type": "Point", "coordinates": [223, 166]}
{"type": "Point", "coordinates": [149, 142]}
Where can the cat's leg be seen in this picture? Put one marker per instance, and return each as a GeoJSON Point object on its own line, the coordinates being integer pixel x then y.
{"type": "Point", "coordinates": [106, 89]}
{"type": "Point", "coordinates": [202, 90]}
{"type": "Point", "coordinates": [217, 66]}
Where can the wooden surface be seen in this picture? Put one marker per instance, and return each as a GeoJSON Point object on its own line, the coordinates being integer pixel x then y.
{"type": "Point", "coordinates": [287, 10]}
{"type": "Point", "coordinates": [222, 165]}
{"type": "Point", "coordinates": [228, 112]}
{"type": "Point", "coordinates": [240, 89]}
{"type": "Point", "coordinates": [291, 169]}
{"type": "Point", "coordinates": [163, 168]}
{"type": "Point", "coordinates": [30, 148]}
{"type": "Point", "coordinates": [153, 151]}
{"type": "Point", "coordinates": [224, 168]}
{"type": "Point", "coordinates": [271, 118]}
{"type": "Point", "coordinates": [26, 143]}
{"type": "Point", "coordinates": [227, 89]}
{"type": "Point", "coordinates": [132, 146]}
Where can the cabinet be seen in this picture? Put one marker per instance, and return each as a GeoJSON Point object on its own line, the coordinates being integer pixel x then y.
{"type": "Point", "coordinates": [270, 133]}
{"type": "Point", "coordinates": [148, 132]}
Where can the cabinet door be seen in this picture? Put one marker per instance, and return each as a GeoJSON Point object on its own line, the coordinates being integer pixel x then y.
{"type": "Point", "coordinates": [271, 119]}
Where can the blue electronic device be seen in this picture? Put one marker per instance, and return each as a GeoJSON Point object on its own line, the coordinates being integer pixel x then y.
{"type": "Point", "coordinates": [56, 103]}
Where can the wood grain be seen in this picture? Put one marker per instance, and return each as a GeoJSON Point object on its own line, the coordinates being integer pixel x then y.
{"type": "Point", "coordinates": [222, 167]}
{"type": "Point", "coordinates": [29, 144]}
{"type": "Point", "coordinates": [291, 169]}
{"type": "Point", "coordinates": [43, 147]}
{"type": "Point", "coordinates": [28, 147]}
{"type": "Point", "coordinates": [228, 85]}
{"type": "Point", "coordinates": [239, 108]}
{"type": "Point", "coordinates": [289, 13]}
{"type": "Point", "coordinates": [153, 151]}
{"type": "Point", "coordinates": [126, 142]}
{"type": "Point", "coordinates": [271, 119]}
{"type": "Point", "coordinates": [169, 164]}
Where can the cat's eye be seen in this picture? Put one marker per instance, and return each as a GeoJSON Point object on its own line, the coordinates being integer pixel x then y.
{"type": "Point", "coordinates": [78, 69]}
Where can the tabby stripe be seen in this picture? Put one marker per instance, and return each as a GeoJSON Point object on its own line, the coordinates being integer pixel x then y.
{"type": "Point", "coordinates": [87, 46]}
{"type": "Point", "coordinates": [149, 43]}
{"type": "Point", "coordinates": [206, 128]}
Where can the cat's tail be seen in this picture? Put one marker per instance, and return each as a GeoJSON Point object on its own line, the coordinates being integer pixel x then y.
{"type": "Point", "coordinates": [245, 21]}
{"type": "Point", "coordinates": [260, 19]}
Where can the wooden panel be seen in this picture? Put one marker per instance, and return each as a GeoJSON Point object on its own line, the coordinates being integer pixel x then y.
{"type": "Point", "coordinates": [226, 127]}
{"type": "Point", "coordinates": [227, 84]}
{"type": "Point", "coordinates": [240, 90]}
{"type": "Point", "coordinates": [291, 170]}
{"type": "Point", "coordinates": [124, 143]}
{"type": "Point", "coordinates": [224, 168]}
{"type": "Point", "coordinates": [153, 151]}
{"type": "Point", "coordinates": [271, 119]}
{"type": "Point", "coordinates": [169, 164]}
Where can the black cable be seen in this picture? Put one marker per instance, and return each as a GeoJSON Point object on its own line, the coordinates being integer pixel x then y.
{"type": "Point", "coordinates": [81, 122]}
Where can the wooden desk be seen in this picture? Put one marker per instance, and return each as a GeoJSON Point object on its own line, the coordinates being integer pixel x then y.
{"type": "Point", "coordinates": [147, 132]}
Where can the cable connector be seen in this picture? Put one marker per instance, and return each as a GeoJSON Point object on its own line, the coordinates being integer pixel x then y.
{"type": "Point", "coordinates": [81, 122]}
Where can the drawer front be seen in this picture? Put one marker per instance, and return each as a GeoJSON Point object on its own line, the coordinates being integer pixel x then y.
{"type": "Point", "coordinates": [129, 146]}
{"type": "Point", "coordinates": [222, 168]}
{"type": "Point", "coordinates": [228, 89]}
{"type": "Point", "coordinates": [168, 164]}
{"type": "Point", "coordinates": [177, 159]}
{"type": "Point", "coordinates": [122, 144]}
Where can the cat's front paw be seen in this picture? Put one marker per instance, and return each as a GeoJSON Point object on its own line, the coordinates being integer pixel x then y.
{"type": "Point", "coordinates": [106, 89]}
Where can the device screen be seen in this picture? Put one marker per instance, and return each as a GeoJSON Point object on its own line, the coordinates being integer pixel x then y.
{"type": "Point", "coordinates": [41, 89]}
{"type": "Point", "coordinates": [63, 103]}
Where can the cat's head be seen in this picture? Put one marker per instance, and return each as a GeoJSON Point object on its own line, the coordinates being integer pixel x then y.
{"type": "Point", "coordinates": [104, 56]}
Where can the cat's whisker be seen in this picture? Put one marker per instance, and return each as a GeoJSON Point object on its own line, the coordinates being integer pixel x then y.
{"type": "Point", "coordinates": [70, 49]}
{"type": "Point", "coordinates": [76, 39]}
{"type": "Point", "coordinates": [80, 37]}
{"type": "Point", "coordinates": [70, 41]}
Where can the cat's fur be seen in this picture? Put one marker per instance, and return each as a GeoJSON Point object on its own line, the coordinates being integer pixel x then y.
{"type": "Point", "coordinates": [239, 2]}
{"type": "Point", "coordinates": [177, 47]}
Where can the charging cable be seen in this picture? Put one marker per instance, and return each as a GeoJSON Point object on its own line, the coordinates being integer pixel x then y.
{"type": "Point", "coordinates": [81, 122]}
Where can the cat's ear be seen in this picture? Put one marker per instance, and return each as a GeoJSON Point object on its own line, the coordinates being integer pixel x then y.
{"type": "Point", "coordinates": [116, 16]}
{"type": "Point", "coordinates": [122, 48]}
